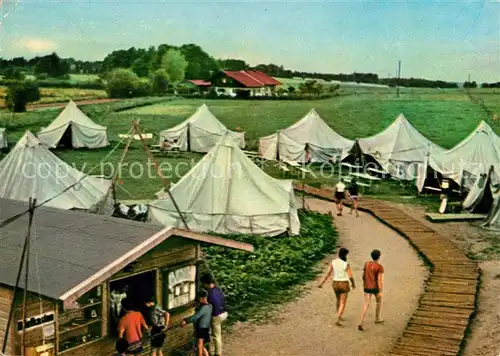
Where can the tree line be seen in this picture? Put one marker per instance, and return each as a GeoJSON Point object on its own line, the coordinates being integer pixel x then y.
{"type": "Point", "coordinates": [144, 62]}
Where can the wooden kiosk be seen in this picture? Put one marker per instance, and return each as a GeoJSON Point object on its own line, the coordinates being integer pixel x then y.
{"type": "Point", "coordinates": [80, 265]}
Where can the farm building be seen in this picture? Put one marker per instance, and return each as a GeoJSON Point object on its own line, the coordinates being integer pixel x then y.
{"type": "Point", "coordinates": [473, 155]}
{"type": "Point", "coordinates": [197, 85]}
{"type": "Point", "coordinates": [399, 149]}
{"type": "Point", "coordinates": [244, 83]}
{"type": "Point", "coordinates": [3, 139]}
{"type": "Point", "coordinates": [82, 266]}
{"type": "Point", "coordinates": [30, 169]}
{"type": "Point", "coordinates": [227, 193]}
{"type": "Point", "coordinates": [309, 139]}
{"type": "Point", "coordinates": [200, 132]}
{"type": "Point", "coordinates": [73, 129]}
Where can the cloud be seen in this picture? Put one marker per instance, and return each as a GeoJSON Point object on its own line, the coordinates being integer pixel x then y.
{"type": "Point", "coordinates": [36, 45]}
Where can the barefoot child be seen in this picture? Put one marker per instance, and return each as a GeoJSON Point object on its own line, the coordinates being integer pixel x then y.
{"type": "Point", "coordinates": [201, 321]}
{"type": "Point", "coordinates": [354, 194]}
{"type": "Point", "coordinates": [339, 195]}
{"type": "Point", "coordinates": [373, 274]}
{"type": "Point", "coordinates": [342, 274]}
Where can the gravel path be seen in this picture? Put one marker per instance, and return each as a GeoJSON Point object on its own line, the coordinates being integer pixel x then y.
{"type": "Point", "coordinates": [306, 326]}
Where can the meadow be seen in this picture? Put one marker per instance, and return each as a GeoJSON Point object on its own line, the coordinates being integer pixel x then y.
{"type": "Point", "coordinates": [444, 116]}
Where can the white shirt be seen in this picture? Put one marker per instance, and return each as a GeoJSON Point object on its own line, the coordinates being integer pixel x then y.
{"type": "Point", "coordinates": [340, 270]}
{"type": "Point", "coordinates": [340, 187]}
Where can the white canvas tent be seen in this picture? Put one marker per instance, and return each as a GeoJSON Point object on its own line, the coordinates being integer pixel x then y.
{"type": "Point", "coordinates": [3, 138]}
{"type": "Point", "coordinates": [290, 143]}
{"type": "Point", "coordinates": [485, 194]}
{"type": "Point", "coordinates": [200, 132]}
{"type": "Point", "coordinates": [227, 193]}
{"type": "Point", "coordinates": [473, 155]}
{"type": "Point", "coordinates": [399, 149]}
{"type": "Point", "coordinates": [31, 170]}
{"type": "Point", "coordinates": [73, 127]}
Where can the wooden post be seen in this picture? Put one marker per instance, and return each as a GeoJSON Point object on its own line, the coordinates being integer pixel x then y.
{"type": "Point", "coordinates": [165, 182]}
{"type": "Point", "coordinates": [32, 204]}
{"type": "Point", "coordinates": [16, 287]}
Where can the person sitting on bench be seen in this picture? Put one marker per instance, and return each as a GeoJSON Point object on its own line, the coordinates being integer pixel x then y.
{"type": "Point", "coordinates": [165, 145]}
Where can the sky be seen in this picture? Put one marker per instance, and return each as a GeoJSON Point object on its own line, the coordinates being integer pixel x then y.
{"type": "Point", "coordinates": [434, 39]}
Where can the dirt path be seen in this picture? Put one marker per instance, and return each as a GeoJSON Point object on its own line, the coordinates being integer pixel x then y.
{"type": "Point", "coordinates": [306, 326]}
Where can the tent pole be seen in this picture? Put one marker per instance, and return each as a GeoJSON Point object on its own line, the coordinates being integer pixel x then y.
{"type": "Point", "coordinates": [278, 145]}
{"type": "Point", "coordinates": [18, 278]}
{"type": "Point", "coordinates": [32, 204]}
{"type": "Point", "coordinates": [158, 171]}
{"type": "Point", "coordinates": [189, 137]}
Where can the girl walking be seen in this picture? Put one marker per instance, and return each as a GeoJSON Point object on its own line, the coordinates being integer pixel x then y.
{"type": "Point", "coordinates": [342, 274]}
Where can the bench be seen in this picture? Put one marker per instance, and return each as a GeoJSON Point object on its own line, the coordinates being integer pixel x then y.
{"type": "Point", "coordinates": [351, 166]}
{"type": "Point", "coordinates": [365, 176]}
{"type": "Point", "coordinates": [146, 136]}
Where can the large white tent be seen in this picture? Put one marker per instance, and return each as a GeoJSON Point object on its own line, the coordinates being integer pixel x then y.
{"type": "Point", "coordinates": [290, 143]}
{"type": "Point", "coordinates": [73, 128]}
{"type": "Point", "coordinates": [484, 196]}
{"type": "Point", "coordinates": [399, 149]}
{"type": "Point", "coordinates": [3, 138]}
{"type": "Point", "coordinates": [473, 155]}
{"type": "Point", "coordinates": [200, 132]}
{"type": "Point", "coordinates": [227, 193]}
{"type": "Point", "coordinates": [31, 170]}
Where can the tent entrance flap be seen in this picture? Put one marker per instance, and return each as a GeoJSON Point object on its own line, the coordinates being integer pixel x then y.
{"type": "Point", "coordinates": [66, 140]}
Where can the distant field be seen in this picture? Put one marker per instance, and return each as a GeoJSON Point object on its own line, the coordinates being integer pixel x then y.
{"type": "Point", "coordinates": [54, 95]}
{"type": "Point", "coordinates": [444, 116]}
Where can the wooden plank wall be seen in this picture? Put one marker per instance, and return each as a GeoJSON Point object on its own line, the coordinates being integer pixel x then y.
{"type": "Point", "coordinates": [447, 306]}
{"type": "Point", "coordinates": [6, 295]}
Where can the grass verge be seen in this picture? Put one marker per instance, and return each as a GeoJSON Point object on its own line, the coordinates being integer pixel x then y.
{"type": "Point", "coordinates": [256, 283]}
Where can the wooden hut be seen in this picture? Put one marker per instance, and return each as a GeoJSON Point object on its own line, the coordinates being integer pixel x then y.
{"type": "Point", "coordinates": [79, 263]}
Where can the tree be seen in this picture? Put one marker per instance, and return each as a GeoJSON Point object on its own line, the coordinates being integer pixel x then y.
{"type": "Point", "coordinates": [233, 64]}
{"type": "Point", "coordinates": [141, 66]}
{"type": "Point", "coordinates": [175, 65]}
{"type": "Point", "coordinates": [13, 73]}
{"type": "Point", "coordinates": [52, 66]}
{"type": "Point", "coordinates": [20, 93]}
{"type": "Point", "coordinates": [160, 82]}
{"type": "Point", "coordinates": [122, 83]}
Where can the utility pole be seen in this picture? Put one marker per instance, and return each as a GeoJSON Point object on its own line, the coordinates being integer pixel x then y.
{"type": "Point", "coordinates": [399, 77]}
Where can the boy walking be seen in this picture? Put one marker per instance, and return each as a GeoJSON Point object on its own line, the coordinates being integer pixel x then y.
{"type": "Point", "coordinates": [219, 314]}
{"type": "Point", "coordinates": [201, 321]}
{"type": "Point", "coordinates": [159, 320]}
{"type": "Point", "coordinates": [130, 328]}
{"type": "Point", "coordinates": [373, 273]}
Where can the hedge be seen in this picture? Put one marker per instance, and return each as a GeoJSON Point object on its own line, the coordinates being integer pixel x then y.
{"type": "Point", "coordinates": [55, 83]}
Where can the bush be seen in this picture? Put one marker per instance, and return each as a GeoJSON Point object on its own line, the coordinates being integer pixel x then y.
{"type": "Point", "coordinates": [160, 82]}
{"type": "Point", "coordinates": [19, 94]}
{"type": "Point", "coordinates": [122, 83]}
{"type": "Point", "coordinates": [254, 282]}
{"type": "Point", "coordinates": [13, 73]}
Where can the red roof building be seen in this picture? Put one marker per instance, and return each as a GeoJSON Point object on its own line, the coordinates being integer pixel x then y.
{"type": "Point", "coordinates": [246, 82]}
{"type": "Point", "coordinates": [200, 83]}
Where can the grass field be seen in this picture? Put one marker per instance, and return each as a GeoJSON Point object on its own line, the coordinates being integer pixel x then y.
{"type": "Point", "coordinates": [55, 95]}
{"type": "Point", "coordinates": [445, 117]}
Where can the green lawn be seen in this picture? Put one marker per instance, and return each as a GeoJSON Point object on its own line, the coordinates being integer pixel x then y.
{"type": "Point", "coordinates": [445, 117]}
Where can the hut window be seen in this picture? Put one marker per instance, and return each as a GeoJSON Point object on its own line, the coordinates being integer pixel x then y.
{"type": "Point", "coordinates": [180, 286]}
{"type": "Point", "coordinates": [81, 323]}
